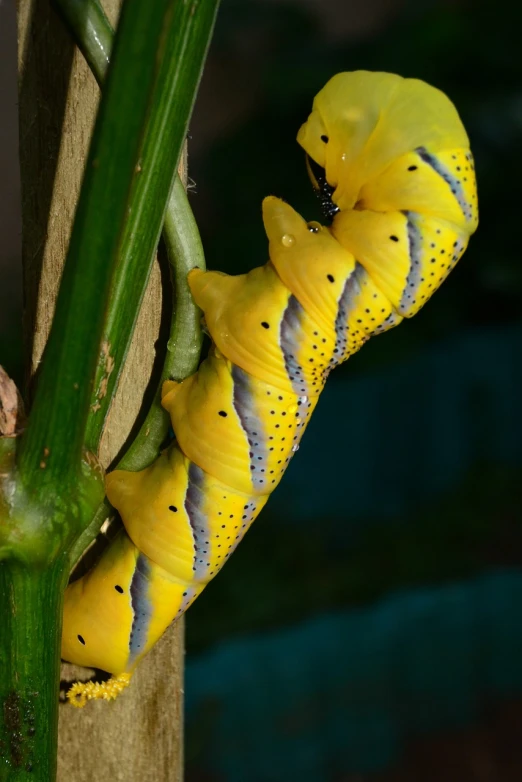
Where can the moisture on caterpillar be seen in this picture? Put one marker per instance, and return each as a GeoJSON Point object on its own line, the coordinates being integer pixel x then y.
{"type": "Point", "coordinates": [391, 162]}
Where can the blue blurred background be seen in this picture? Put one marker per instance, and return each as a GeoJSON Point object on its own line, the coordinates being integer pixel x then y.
{"type": "Point", "coordinates": [368, 628]}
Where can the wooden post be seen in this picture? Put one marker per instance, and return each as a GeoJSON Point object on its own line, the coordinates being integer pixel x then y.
{"type": "Point", "coordinates": [140, 736]}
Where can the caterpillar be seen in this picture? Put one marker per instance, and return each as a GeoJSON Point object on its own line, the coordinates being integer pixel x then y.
{"type": "Point", "coordinates": [390, 160]}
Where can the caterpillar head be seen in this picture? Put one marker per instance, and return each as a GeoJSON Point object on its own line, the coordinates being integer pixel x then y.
{"type": "Point", "coordinates": [361, 122]}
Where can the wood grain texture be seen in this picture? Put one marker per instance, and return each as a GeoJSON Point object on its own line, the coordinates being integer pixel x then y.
{"type": "Point", "coordinates": [140, 736]}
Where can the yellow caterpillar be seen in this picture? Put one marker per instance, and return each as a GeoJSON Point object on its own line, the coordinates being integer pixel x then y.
{"type": "Point", "coordinates": [391, 161]}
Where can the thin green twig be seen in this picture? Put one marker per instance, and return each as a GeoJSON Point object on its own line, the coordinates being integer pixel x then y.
{"type": "Point", "coordinates": [185, 252]}
{"type": "Point", "coordinates": [92, 33]}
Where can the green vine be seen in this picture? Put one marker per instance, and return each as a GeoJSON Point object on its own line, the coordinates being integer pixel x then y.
{"type": "Point", "coordinates": [50, 485]}
{"type": "Point", "coordinates": [94, 36]}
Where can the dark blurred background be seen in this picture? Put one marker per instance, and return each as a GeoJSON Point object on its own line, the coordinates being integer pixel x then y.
{"type": "Point", "coordinates": [369, 626]}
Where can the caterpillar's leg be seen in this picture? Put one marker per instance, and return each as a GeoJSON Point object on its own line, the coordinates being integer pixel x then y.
{"type": "Point", "coordinates": [82, 692]}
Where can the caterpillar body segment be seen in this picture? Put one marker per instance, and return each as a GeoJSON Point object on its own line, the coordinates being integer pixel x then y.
{"type": "Point", "coordinates": [391, 160]}
{"type": "Point", "coordinates": [423, 183]}
{"type": "Point", "coordinates": [114, 614]}
{"type": "Point", "coordinates": [407, 254]}
{"type": "Point", "coordinates": [220, 416]}
{"type": "Point", "coordinates": [251, 304]}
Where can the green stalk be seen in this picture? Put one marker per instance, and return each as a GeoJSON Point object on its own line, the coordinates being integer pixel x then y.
{"type": "Point", "coordinates": [94, 35]}
{"type": "Point", "coordinates": [176, 92]}
{"type": "Point", "coordinates": [30, 634]}
{"type": "Point", "coordinates": [92, 32]}
{"type": "Point", "coordinates": [34, 569]}
{"type": "Point", "coordinates": [48, 495]}
{"type": "Point", "coordinates": [59, 416]}
{"type": "Point", "coordinates": [185, 252]}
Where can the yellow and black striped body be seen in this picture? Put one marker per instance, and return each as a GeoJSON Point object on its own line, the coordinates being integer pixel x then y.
{"type": "Point", "coordinates": [394, 158]}
{"type": "Point", "coordinates": [277, 333]}
{"type": "Point", "coordinates": [238, 421]}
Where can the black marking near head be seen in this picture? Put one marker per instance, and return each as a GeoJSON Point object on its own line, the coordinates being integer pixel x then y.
{"type": "Point", "coordinates": [323, 189]}
{"type": "Point", "coordinates": [141, 607]}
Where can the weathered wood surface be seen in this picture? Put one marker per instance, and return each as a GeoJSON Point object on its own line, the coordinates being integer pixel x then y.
{"type": "Point", "coordinates": [140, 736]}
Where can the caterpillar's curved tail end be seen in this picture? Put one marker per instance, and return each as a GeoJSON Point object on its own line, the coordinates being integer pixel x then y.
{"type": "Point", "coordinates": [81, 692]}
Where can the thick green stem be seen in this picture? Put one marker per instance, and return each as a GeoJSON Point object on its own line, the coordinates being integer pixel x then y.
{"type": "Point", "coordinates": [93, 34]}
{"type": "Point", "coordinates": [187, 45]}
{"type": "Point", "coordinates": [30, 634]}
{"type": "Point", "coordinates": [59, 416]}
{"type": "Point", "coordinates": [49, 493]}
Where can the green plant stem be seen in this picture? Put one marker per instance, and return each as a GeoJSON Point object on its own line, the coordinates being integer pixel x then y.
{"type": "Point", "coordinates": [30, 633]}
{"type": "Point", "coordinates": [59, 416]}
{"type": "Point", "coordinates": [185, 252]}
{"type": "Point", "coordinates": [93, 34]}
{"type": "Point", "coordinates": [48, 497]}
{"type": "Point", "coordinates": [174, 100]}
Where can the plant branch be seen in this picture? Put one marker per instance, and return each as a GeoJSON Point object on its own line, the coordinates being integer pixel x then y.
{"type": "Point", "coordinates": [174, 101]}
{"type": "Point", "coordinates": [91, 31]}
{"type": "Point", "coordinates": [30, 633]}
{"type": "Point", "coordinates": [59, 415]}
{"type": "Point", "coordinates": [93, 35]}
{"type": "Point", "coordinates": [49, 487]}
{"type": "Point", "coordinates": [185, 252]}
